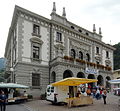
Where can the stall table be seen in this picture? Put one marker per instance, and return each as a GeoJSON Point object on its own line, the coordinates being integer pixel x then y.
{"type": "Point", "coordinates": [77, 101]}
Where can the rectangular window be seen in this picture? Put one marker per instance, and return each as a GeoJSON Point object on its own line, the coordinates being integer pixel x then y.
{"type": "Point", "coordinates": [36, 51]}
{"type": "Point", "coordinates": [97, 50]}
{"type": "Point", "coordinates": [35, 79]}
{"type": "Point", "coordinates": [59, 37]}
{"type": "Point", "coordinates": [36, 29]}
{"type": "Point", "coordinates": [107, 54]}
{"type": "Point", "coordinates": [52, 89]}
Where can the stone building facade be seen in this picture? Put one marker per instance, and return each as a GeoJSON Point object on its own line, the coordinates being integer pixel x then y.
{"type": "Point", "coordinates": [116, 74]}
{"type": "Point", "coordinates": [41, 51]}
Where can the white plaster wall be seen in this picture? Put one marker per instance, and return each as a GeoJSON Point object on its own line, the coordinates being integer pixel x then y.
{"type": "Point", "coordinates": [103, 56]}
{"type": "Point", "coordinates": [110, 57]}
{"type": "Point", "coordinates": [26, 41]}
{"type": "Point", "coordinates": [28, 29]}
{"type": "Point", "coordinates": [44, 37]}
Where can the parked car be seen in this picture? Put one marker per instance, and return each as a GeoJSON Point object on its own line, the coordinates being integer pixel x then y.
{"type": "Point", "coordinates": [116, 91]}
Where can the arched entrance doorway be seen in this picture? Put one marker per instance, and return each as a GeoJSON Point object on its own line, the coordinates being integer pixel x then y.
{"type": "Point", "coordinates": [107, 83]}
{"type": "Point", "coordinates": [53, 77]}
{"type": "Point", "coordinates": [91, 76]}
{"type": "Point", "coordinates": [67, 73]}
{"type": "Point", "coordinates": [100, 80]}
{"type": "Point", "coordinates": [81, 75]}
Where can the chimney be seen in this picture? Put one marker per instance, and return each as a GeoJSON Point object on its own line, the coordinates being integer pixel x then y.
{"type": "Point", "coordinates": [94, 29]}
{"type": "Point", "coordinates": [54, 8]}
{"type": "Point", "coordinates": [64, 13]}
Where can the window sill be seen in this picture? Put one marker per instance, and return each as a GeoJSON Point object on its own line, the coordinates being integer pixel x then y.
{"type": "Point", "coordinates": [38, 35]}
{"type": "Point", "coordinates": [35, 59]}
{"type": "Point", "coordinates": [59, 41]}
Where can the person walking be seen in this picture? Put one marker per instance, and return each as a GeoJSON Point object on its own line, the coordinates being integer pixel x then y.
{"type": "Point", "coordinates": [3, 101]}
{"type": "Point", "coordinates": [98, 94]}
{"type": "Point", "coordinates": [104, 94]}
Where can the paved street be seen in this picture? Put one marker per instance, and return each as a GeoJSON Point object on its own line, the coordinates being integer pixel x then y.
{"type": "Point", "coordinates": [17, 107]}
{"type": "Point", "coordinates": [42, 105]}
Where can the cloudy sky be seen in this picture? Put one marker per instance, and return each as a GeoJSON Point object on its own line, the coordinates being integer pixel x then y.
{"type": "Point", "coordinates": [85, 13]}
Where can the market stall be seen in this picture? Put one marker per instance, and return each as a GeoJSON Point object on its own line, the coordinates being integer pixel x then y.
{"type": "Point", "coordinates": [115, 86]}
{"type": "Point", "coordinates": [12, 92]}
{"type": "Point", "coordinates": [72, 83]}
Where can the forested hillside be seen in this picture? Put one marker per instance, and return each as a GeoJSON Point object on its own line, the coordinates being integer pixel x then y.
{"type": "Point", "coordinates": [117, 56]}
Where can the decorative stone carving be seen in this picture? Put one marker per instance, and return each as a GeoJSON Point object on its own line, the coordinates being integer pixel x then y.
{"type": "Point", "coordinates": [37, 40]}
{"type": "Point", "coordinates": [59, 46]}
{"type": "Point", "coordinates": [107, 61]}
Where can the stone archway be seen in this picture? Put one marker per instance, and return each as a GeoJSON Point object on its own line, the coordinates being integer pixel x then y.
{"type": "Point", "coordinates": [91, 76]}
{"type": "Point", "coordinates": [53, 77]}
{"type": "Point", "coordinates": [67, 73]}
{"type": "Point", "coordinates": [107, 83]}
{"type": "Point", "coordinates": [100, 81]}
{"type": "Point", "coordinates": [81, 75]}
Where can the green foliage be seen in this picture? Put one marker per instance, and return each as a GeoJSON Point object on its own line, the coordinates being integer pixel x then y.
{"type": "Point", "coordinates": [43, 96]}
{"type": "Point", "coordinates": [117, 56]}
{"type": "Point", "coordinates": [30, 96]}
{"type": "Point", "coordinates": [2, 71]}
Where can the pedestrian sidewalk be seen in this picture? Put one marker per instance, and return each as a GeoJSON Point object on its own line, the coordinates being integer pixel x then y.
{"type": "Point", "coordinates": [98, 105]}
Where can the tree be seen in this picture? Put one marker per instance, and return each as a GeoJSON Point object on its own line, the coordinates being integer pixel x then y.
{"type": "Point", "coordinates": [2, 71]}
{"type": "Point", "coordinates": [117, 56]}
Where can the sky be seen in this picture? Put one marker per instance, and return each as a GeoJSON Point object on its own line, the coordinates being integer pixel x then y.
{"type": "Point", "coordinates": [84, 13]}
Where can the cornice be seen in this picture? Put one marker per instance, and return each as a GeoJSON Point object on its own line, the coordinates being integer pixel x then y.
{"type": "Point", "coordinates": [31, 64]}
{"type": "Point", "coordinates": [69, 30]}
{"type": "Point", "coordinates": [40, 19]}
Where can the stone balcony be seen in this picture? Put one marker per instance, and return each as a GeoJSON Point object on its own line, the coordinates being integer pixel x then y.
{"type": "Point", "coordinates": [79, 63]}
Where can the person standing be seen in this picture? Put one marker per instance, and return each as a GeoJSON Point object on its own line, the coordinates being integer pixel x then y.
{"type": "Point", "coordinates": [3, 101]}
{"type": "Point", "coordinates": [104, 94]}
{"type": "Point", "coordinates": [88, 92]}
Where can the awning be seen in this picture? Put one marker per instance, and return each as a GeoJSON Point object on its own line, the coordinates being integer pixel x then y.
{"type": "Point", "coordinates": [12, 85]}
{"type": "Point", "coordinates": [72, 81]}
{"type": "Point", "coordinates": [114, 81]}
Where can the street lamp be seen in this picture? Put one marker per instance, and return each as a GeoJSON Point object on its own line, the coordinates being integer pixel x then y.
{"type": "Point", "coordinates": [12, 70]}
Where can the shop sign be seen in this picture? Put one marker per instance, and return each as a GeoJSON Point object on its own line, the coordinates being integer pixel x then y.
{"type": "Point", "coordinates": [91, 71]}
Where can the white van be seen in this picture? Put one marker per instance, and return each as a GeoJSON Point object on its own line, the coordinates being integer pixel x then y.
{"type": "Point", "coordinates": [58, 94]}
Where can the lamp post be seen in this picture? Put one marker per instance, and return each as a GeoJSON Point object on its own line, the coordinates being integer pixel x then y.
{"type": "Point", "coordinates": [13, 76]}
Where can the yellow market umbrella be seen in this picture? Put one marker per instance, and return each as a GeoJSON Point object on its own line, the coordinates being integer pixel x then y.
{"type": "Point", "coordinates": [72, 81]}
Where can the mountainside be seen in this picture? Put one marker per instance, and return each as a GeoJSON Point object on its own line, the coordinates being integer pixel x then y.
{"type": "Point", "coordinates": [2, 63]}
{"type": "Point", "coordinates": [117, 56]}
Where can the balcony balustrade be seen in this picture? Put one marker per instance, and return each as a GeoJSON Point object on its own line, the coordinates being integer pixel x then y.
{"type": "Point", "coordinates": [80, 63]}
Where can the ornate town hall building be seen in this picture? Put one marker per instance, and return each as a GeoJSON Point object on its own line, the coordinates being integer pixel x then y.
{"type": "Point", "coordinates": [40, 51]}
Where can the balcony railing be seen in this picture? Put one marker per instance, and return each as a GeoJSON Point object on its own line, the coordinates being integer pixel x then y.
{"type": "Point", "coordinates": [81, 63]}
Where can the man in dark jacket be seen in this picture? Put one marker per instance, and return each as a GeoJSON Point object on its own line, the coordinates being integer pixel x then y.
{"type": "Point", "coordinates": [3, 101]}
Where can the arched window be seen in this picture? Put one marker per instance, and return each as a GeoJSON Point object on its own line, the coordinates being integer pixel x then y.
{"type": "Point", "coordinates": [91, 76]}
{"type": "Point", "coordinates": [67, 73]}
{"type": "Point", "coordinates": [100, 80]}
{"type": "Point", "coordinates": [87, 57]}
{"type": "Point", "coordinates": [107, 83]}
{"type": "Point", "coordinates": [73, 54]}
{"type": "Point", "coordinates": [81, 75]}
{"type": "Point", "coordinates": [80, 55]}
{"type": "Point", "coordinates": [53, 77]}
